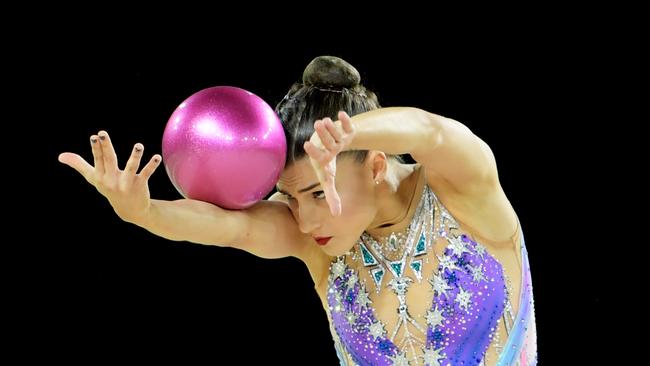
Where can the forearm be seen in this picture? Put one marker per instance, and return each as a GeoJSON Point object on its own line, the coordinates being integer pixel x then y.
{"type": "Point", "coordinates": [191, 220]}
{"type": "Point", "coordinates": [396, 130]}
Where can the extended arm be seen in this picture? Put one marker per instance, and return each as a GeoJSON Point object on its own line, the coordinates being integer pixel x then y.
{"type": "Point", "coordinates": [267, 229]}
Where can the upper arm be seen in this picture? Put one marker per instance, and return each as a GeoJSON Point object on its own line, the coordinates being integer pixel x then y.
{"type": "Point", "coordinates": [268, 230]}
{"type": "Point", "coordinates": [464, 166]}
{"type": "Point", "coordinates": [460, 158]}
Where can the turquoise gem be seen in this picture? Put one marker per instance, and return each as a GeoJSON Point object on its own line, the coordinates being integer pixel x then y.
{"type": "Point", "coordinates": [420, 248]}
{"type": "Point", "coordinates": [377, 276]}
{"type": "Point", "coordinates": [417, 266]}
{"type": "Point", "coordinates": [368, 259]}
{"type": "Point", "coordinates": [392, 241]}
{"type": "Point", "coordinates": [397, 268]}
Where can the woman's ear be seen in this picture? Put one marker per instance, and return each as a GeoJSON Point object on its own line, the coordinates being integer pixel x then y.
{"type": "Point", "coordinates": [379, 165]}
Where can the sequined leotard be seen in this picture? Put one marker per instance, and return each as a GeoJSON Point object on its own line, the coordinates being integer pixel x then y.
{"type": "Point", "coordinates": [467, 299]}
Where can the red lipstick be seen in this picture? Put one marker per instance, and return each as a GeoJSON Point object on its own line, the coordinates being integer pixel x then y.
{"type": "Point", "coordinates": [322, 240]}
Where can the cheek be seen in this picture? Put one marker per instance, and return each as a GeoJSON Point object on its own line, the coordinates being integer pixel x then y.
{"type": "Point", "coordinates": [355, 208]}
{"type": "Point", "coordinates": [355, 197]}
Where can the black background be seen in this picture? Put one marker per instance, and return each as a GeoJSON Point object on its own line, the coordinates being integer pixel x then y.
{"type": "Point", "coordinates": [101, 289]}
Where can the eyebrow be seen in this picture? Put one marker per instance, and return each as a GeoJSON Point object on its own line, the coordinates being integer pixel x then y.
{"type": "Point", "coordinates": [300, 190]}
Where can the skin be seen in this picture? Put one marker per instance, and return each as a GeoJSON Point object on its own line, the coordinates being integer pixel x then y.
{"type": "Point", "coordinates": [364, 204]}
{"type": "Point", "coordinates": [458, 166]}
{"type": "Point", "coordinates": [126, 190]}
{"type": "Point", "coordinates": [369, 203]}
{"type": "Point", "coordinates": [462, 172]}
{"type": "Point", "coordinates": [472, 187]}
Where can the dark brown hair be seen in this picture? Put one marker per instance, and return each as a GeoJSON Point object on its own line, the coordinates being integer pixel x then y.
{"type": "Point", "coordinates": [329, 85]}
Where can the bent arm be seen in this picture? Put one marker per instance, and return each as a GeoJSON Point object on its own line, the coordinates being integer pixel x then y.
{"type": "Point", "coordinates": [445, 147]}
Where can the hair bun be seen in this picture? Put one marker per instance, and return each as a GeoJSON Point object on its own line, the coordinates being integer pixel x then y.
{"type": "Point", "coordinates": [330, 71]}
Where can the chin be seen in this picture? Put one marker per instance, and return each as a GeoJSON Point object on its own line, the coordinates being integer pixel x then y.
{"type": "Point", "coordinates": [332, 252]}
{"type": "Point", "coordinates": [335, 249]}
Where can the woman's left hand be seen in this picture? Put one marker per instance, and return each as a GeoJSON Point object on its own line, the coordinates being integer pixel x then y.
{"type": "Point", "coordinates": [328, 141]}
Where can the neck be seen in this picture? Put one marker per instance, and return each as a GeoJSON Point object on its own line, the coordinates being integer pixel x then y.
{"type": "Point", "coordinates": [393, 197]}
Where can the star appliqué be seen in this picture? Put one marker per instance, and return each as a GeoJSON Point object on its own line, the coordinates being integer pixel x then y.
{"type": "Point", "coordinates": [439, 284]}
{"type": "Point", "coordinates": [434, 317]}
{"type": "Point", "coordinates": [377, 329]}
{"type": "Point", "coordinates": [463, 298]}
{"type": "Point", "coordinates": [338, 268]}
{"type": "Point", "coordinates": [432, 357]}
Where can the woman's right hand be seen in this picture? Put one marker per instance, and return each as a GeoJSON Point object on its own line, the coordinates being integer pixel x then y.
{"type": "Point", "coordinates": [126, 190]}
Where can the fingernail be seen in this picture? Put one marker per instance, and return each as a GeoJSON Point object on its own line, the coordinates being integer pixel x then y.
{"type": "Point", "coordinates": [102, 137]}
{"type": "Point", "coordinates": [138, 149]}
{"type": "Point", "coordinates": [156, 160]}
{"type": "Point", "coordinates": [93, 140]}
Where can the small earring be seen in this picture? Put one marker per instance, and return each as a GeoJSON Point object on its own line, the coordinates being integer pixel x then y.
{"type": "Point", "coordinates": [376, 182]}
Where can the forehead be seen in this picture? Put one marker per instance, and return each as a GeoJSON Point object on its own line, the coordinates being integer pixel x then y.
{"type": "Point", "coordinates": [301, 174]}
{"type": "Point", "coordinates": [298, 172]}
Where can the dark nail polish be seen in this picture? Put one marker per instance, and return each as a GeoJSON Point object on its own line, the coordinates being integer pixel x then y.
{"type": "Point", "coordinates": [93, 140]}
{"type": "Point", "coordinates": [156, 160]}
{"type": "Point", "coordinates": [102, 137]}
{"type": "Point", "coordinates": [137, 149]}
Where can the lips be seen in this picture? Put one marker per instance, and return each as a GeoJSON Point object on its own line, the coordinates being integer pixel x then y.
{"type": "Point", "coordinates": [322, 240]}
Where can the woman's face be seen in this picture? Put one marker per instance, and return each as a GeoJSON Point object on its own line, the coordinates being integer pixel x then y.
{"type": "Point", "coordinates": [355, 186]}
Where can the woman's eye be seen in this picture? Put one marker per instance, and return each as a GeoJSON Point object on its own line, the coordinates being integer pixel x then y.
{"type": "Point", "coordinates": [318, 194]}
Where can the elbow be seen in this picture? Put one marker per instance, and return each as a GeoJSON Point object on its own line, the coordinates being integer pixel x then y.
{"type": "Point", "coordinates": [433, 126]}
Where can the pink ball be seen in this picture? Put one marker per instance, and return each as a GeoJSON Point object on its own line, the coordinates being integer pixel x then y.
{"type": "Point", "coordinates": [224, 145]}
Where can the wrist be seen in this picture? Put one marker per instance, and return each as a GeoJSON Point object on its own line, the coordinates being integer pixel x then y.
{"type": "Point", "coordinates": [142, 219]}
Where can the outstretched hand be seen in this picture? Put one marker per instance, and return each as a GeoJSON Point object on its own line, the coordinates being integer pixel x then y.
{"type": "Point", "coordinates": [325, 144]}
{"type": "Point", "coordinates": [126, 190]}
